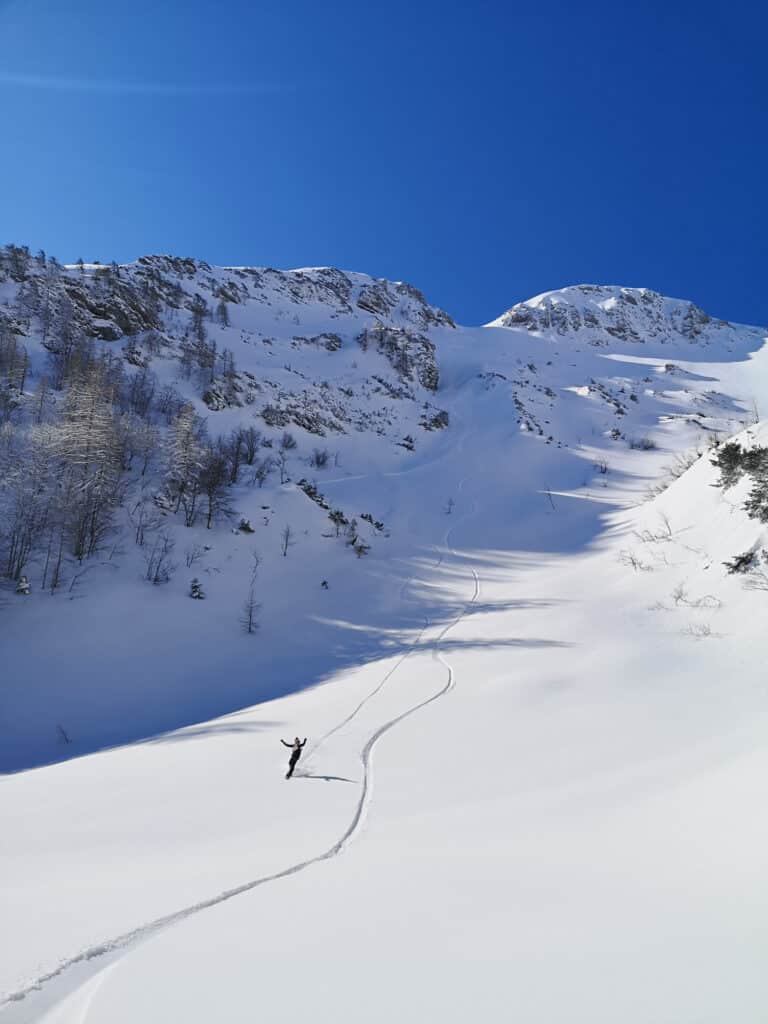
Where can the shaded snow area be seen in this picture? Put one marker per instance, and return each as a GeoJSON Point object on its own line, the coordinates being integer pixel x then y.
{"type": "Point", "coordinates": [534, 695]}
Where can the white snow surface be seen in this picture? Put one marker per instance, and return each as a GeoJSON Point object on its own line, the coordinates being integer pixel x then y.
{"type": "Point", "coordinates": [535, 776]}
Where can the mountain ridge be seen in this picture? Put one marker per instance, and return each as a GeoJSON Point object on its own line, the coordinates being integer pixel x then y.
{"type": "Point", "coordinates": [624, 313]}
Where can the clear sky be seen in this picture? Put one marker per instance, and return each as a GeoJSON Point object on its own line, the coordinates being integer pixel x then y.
{"type": "Point", "coordinates": [484, 151]}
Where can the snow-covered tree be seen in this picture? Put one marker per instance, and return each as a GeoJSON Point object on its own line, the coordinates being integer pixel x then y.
{"type": "Point", "coordinates": [185, 454]}
{"type": "Point", "coordinates": [199, 310]}
{"type": "Point", "coordinates": [26, 493]}
{"type": "Point", "coordinates": [88, 447]}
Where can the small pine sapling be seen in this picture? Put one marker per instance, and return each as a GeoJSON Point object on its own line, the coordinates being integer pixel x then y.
{"type": "Point", "coordinates": [740, 563]}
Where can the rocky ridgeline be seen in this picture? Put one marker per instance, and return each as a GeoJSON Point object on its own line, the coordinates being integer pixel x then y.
{"type": "Point", "coordinates": [112, 301]}
{"type": "Point", "coordinates": [165, 307]}
{"type": "Point", "coordinates": [601, 315]}
{"type": "Point", "coordinates": [321, 349]}
{"type": "Point", "coordinates": [103, 303]}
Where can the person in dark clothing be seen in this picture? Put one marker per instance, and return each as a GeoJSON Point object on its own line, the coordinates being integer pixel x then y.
{"type": "Point", "coordinates": [296, 748]}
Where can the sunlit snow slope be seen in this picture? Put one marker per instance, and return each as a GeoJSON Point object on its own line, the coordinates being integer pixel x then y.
{"type": "Point", "coordinates": [536, 710]}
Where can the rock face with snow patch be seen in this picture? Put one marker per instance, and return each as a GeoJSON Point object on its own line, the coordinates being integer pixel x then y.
{"type": "Point", "coordinates": [108, 302]}
{"type": "Point", "coordinates": [411, 355]}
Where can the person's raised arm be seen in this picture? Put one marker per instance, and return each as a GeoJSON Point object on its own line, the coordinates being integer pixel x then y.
{"type": "Point", "coordinates": [286, 744]}
{"type": "Point", "coordinates": [305, 742]}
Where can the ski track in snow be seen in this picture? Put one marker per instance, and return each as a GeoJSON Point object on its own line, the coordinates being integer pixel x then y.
{"type": "Point", "coordinates": [380, 686]}
{"type": "Point", "coordinates": [121, 944]}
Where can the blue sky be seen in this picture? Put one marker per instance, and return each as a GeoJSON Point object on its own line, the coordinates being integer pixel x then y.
{"type": "Point", "coordinates": [484, 151]}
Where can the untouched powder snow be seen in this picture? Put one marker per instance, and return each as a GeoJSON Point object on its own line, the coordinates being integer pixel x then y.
{"type": "Point", "coordinates": [536, 717]}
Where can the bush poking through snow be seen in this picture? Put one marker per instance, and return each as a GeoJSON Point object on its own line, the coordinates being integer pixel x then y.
{"type": "Point", "coordinates": [159, 559]}
{"type": "Point", "coordinates": [680, 597]}
{"type": "Point", "coordinates": [630, 559]}
{"type": "Point", "coordinates": [661, 536]}
{"type": "Point", "coordinates": [286, 539]}
{"type": "Point", "coordinates": [436, 421]}
{"type": "Point", "coordinates": [375, 523]}
{"type": "Point", "coordinates": [262, 471]}
{"type": "Point", "coordinates": [319, 458]}
{"type": "Point", "coordinates": [282, 465]}
{"type": "Point", "coordinates": [251, 609]}
{"type": "Point", "coordinates": [338, 519]}
{"type": "Point", "coordinates": [699, 631]}
{"type": "Point", "coordinates": [643, 444]}
{"type": "Point", "coordinates": [193, 554]}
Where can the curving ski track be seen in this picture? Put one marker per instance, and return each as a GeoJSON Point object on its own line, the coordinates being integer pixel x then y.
{"type": "Point", "coordinates": [112, 947]}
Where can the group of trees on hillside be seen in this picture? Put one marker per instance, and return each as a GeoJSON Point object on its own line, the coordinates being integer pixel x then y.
{"type": "Point", "coordinates": [92, 441]}
{"type": "Point", "coordinates": [735, 462]}
{"type": "Point", "coordinates": [199, 355]}
{"type": "Point", "coordinates": [92, 425]}
{"type": "Point", "coordinates": [69, 458]}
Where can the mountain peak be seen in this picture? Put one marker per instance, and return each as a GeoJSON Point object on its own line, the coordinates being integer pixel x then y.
{"type": "Point", "coordinates": [604, 314]}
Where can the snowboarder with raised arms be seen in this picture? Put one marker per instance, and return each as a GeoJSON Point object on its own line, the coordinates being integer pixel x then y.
{"type": "Point", "coordinates": [296, 748]}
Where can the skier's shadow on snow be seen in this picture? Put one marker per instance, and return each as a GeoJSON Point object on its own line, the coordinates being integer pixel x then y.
{"type": "Point", "coordinates": [325, 778]}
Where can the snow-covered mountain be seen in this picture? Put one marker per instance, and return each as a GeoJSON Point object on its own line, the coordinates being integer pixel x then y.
{"type": "Point", "coordinates": [605, 315]}
{"type": "Point", "coordinates": [491, 557]}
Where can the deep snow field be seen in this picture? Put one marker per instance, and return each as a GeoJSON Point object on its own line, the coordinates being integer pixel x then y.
{"type": "Point", "coordinates": [535, 777]}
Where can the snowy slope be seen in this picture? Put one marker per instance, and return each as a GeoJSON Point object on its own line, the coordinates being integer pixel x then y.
{"type": "Point", "coordinates": [364, 401]}
{"type": "Point", "coordinates": [533, 764]}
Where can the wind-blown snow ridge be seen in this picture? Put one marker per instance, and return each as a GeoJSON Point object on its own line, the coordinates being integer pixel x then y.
{"type": "Point", "coordinates": [110, 948]}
